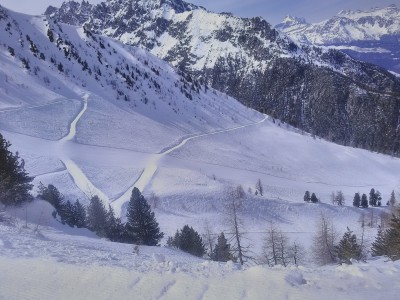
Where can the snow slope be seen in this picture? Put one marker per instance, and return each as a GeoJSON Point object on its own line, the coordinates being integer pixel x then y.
{"type": "Point", "coordinates": [183, 147]}
{"type": "Point", "coordinates": [51, 263]}
{"type": "Point", "coordinates": [186, 151]}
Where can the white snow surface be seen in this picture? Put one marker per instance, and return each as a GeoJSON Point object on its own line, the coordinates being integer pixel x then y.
{"type": "Point", "coordinates": [80, 134]}
{"type": "Point", "coordinates": [42, 259]}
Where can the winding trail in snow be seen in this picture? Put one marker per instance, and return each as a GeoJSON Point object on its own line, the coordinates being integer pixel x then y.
{"type": "Point", "coordinates": [78, 176]}
{"type": "Point", "coordinates": [152, 165]}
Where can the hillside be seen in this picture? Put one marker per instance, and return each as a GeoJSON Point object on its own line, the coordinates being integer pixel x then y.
{"type": "Point", "coordinates": [84, 137]}
{"type": "Point", "coordinates": [324, 92]}
{"type": "Point", "coordinates": [94, 116]}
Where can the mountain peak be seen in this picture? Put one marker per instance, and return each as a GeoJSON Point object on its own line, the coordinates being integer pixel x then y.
{"type": "Point", "coordinates": [294, 20]}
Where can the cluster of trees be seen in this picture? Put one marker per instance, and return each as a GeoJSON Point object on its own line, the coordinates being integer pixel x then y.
{"type": "Point", "coordinates": [326, 249]}
{"type": "Point", "coordinates": [375, 199]}
{"type": "Point", "coordinates": [71, 214]}
{"type": "Point", "coordinates": [277, 249]}
{"type": "Point", "coordinates": [310, 198]}
{"type": "Point", "coordinates": [189, 240]}
{"type": "Point", "coordinates": [141, 227]}
{"type": "Point", "coordinates": [337, 198]}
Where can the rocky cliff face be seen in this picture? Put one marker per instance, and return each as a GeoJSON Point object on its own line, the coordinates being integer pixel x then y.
{"type": "Point", "coordinates": [321, 91]}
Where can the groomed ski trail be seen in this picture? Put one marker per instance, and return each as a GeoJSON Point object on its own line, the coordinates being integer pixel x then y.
{"type": "Point", "coordinates": [78, 176]}
{"type": "Point", "coordinates": [152, 165]}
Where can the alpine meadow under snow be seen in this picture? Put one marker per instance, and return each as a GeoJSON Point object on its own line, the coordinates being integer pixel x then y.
{"type": "Point", "coordinates": [93, 116]}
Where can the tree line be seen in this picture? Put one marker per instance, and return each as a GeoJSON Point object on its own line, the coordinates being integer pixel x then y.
{"type": "Point", "coordinates": [141, 227]}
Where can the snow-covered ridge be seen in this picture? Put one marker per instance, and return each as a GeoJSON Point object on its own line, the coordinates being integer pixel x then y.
{"type": "Point", "coordinates": [253, 62]}
{"type": "Point", "coordinates": [347, 26]}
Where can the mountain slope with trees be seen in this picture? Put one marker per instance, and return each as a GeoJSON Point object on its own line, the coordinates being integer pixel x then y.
{"type": "Point", "coordinates": [323, 92]}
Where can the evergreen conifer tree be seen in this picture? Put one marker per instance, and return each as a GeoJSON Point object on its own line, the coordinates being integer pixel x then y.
{"type": "Point", "coordinates": [222, 250]}
{"type": "Point", "coordinates": [142, 227]}
{"type": "Point", "coordinates": [388, 242]}
{"type": "Point", "coordinates": [392, 200]}
{"type": "Point", "coordinates": [348, 248]}
{"type": "Point", "coordinates": [314, 198]}
{"type": "Point", "coordinates": [379, 247]}
{"type": "Point", "coordinates": [52, 195]}
{"type": "Point", "coordinates": [259, 187]}
{"type": "Point", "coordinates": [372, 198]}
{"type": "Point", "coordinates": [67, 214]}
{"type": "Point", "coordinates": [357, 200]}
{"type": "Point", "coordinates": [15, 183]}
{"type": "Point", "coordinates": [188, 240]}
{"type": "Point", "coordinates": [307, 197]}
{"type": "Point", "coordinates": [97, 216]}
{"type": "Point", "coordinates": [364, 201]}
{"type": "Point", "coordinates": [79, 214]}
{"type": "Point", "coordinates": [115, 228]}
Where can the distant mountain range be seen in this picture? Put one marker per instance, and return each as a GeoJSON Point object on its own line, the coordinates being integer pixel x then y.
{"type": "Point", "coordinates": [373, 35]}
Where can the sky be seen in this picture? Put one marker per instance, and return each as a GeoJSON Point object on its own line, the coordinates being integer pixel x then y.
{"type": "Point", "coordinates": [271, 10]}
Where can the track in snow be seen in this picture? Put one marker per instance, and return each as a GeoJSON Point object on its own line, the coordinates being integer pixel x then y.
{"type": "Point", "coordinates": [152, 165]}
{"type": "Point", "coordinates": [78, 176]}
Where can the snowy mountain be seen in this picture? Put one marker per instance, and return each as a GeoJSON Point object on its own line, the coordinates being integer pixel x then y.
{"type": "Point", "coordinates": [371, 35]}
{"type": "Point", "coordinates": [94, 116]}
{"type": "Point", "coordinates": [324, 92]}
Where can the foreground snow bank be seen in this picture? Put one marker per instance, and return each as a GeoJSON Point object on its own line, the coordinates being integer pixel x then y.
{"type": "Point", "coordinates": [48, 262]}
{"type": "Point", "coordinates": [47, 279]}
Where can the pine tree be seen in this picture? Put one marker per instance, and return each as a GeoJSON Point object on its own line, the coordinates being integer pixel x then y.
{"type": "Point", "coordinates": [97, 216]}
{"type": "Point", "coordinates": [307, 197]}
{"type": "Point", "coordinates": [348, 248]}
{"type": "Point", "coordinates": [357, 200]}
{"type": "Point", "coordinates": [364, 201]}
{"type": "Point", "coordinates": [259, 187]}
{"type": "Point", "coordinates": [52, 195]}
{"type": "Point", "coordinates": [141, 223]}
{"type": "Point", "coordinates": [188, 240]}
{"type": "Point", "coordinates": [67, 214]}
{"type": "Point", "coordinates": [379, 247]}
{"type": "Point", "coordinates": [15, 184]}
{"type": "Point", "coordinates": [79, 214]}
{"type": "Point", "coordinates": [222, 250]}
{"type": "Point", "coordinates": [372, 198]}
{"type": "Point", "coordinates": [392, 200]}
{"type": "Point", "coordinates": [314, 198]}
{"type": "Point", "coordinates": [115, 227]}
{"type": "Point", "coordinates": [388, 242]}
